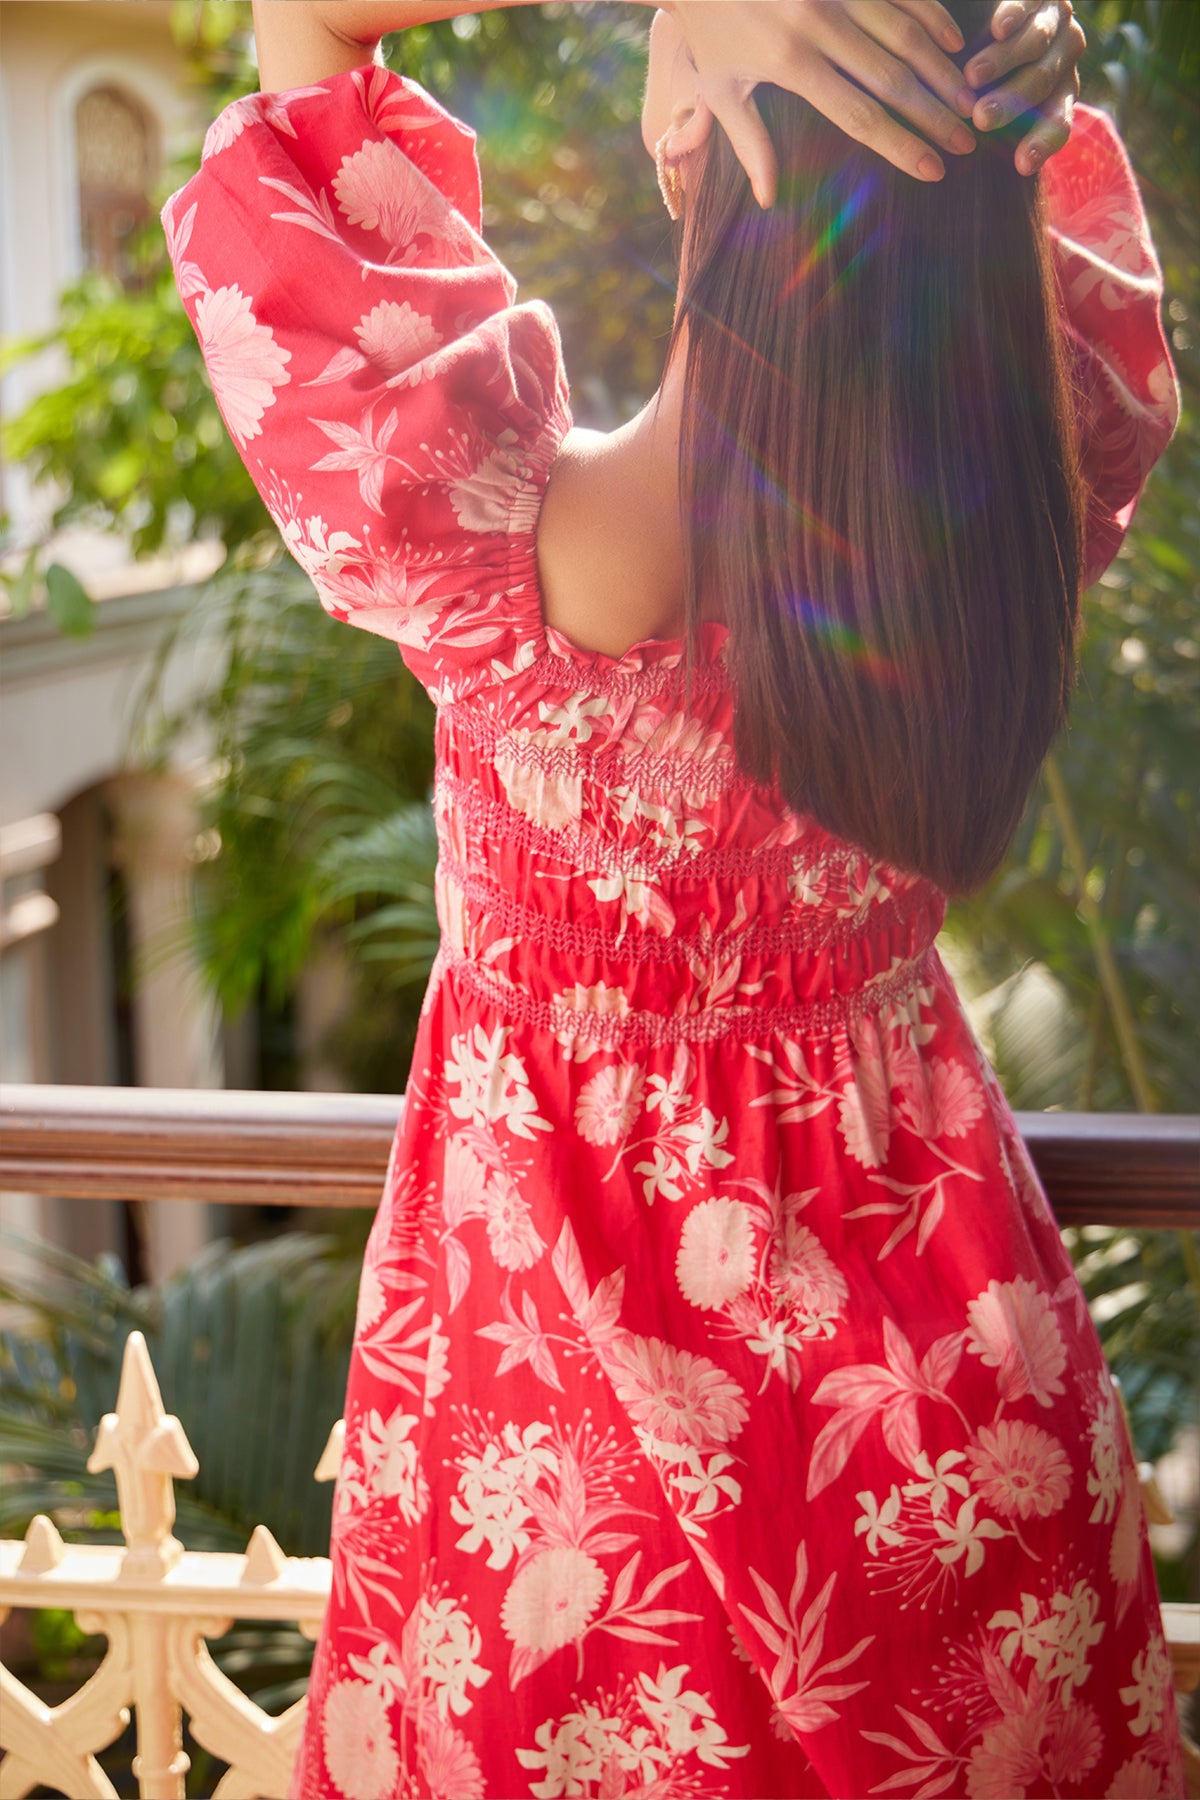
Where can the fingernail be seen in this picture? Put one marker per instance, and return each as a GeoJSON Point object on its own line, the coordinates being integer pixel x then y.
{"type": "Point", "coordinates": [930, 167]}
{"type": "Point", "coordinates": [961, 140]}
{"type": "Point", "coordinates": [990, 110]}
{"type": "Point", "coordinates": [1033, 160]}
{"type": "Point", "coordinates": [965, 100]}
{"type": "Point", "coordinates": [953, 38]}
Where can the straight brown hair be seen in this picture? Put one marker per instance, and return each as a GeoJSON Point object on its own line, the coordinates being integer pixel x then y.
{"type": "Point", "coordinates": [879, 481]}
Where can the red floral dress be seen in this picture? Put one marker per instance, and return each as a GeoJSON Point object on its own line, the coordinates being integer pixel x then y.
{"type": "Point", "coordinates": [724, 1414]}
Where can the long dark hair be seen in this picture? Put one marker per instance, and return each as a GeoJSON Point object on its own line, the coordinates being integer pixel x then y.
{"type": "Point", "coordinates": [880, 483]}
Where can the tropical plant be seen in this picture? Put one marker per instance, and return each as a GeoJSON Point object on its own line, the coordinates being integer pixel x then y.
{"type": "Point", "coordinates": [320, 740]}
{"type": "Point", "coordinates": [251, 1348]}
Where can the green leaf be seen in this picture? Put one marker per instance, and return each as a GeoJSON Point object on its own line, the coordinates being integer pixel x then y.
{"type": "Point", "coordinates": [20, 586]}
{"type": "Point", "coordinates": [1168, 556]}
{"type": "Point", "coordinates": [69, 603]}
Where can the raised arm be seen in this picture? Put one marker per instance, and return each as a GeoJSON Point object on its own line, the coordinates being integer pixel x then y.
{"type": "Point", "coordinates": [303, 41]}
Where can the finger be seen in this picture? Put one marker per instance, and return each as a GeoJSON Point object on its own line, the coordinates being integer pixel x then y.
{"type": "Point", "coordinates": [863, 59]}
{"type": "Point", "coordinates": [1010, 15]}
{"type": "Point", "coordinates": [1023, 91]}
{"type": "Point", "coordinates": [735, 110]}
{"type": "Point", "coordinates": [863, 119]}
{"type": "Point", "coordinates": [1036, 34]}
{"type": "Point", "coordinates": [1049, 134]}
{"type": "Point", "coordinates": [917, 65]}
{"type": "Point", "coordinates": [937, 22]}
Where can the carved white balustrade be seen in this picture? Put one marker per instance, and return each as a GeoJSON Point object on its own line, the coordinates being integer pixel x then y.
{"type": "Point", "coordinates": [156, 1603]}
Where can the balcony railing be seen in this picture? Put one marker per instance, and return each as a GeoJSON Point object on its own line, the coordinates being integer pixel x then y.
{"type": "Point", "coordinates": [158, 1602]}
{"type": "Point", "coordinates": [332, 1149]}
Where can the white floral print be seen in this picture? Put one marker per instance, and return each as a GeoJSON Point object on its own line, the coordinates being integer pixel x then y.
{"type": "Point", "coordinates": [552, 800]}
{"type": "Point", "coordinates": [1151, 1679]}
{"type": "Point", "coordinates": [378, 189]}
{"type": "Point", "coordinates": [803, 1273]}
{"type": "Point", "coordinates": [944, 1100]}
{"type": "Point", "coordinates": [245, 363]}
{"type": "Point", "coordinates": [447, 1760]}
{"type": "Point", "coordinates": [1137, 1779]}
{"type": "Point", "coordinates": [1013, 1329]}
{"type": "Point", "coordinates": [715, 1263]}
{"type": "Point", "coordinates": [674, 1396]}
{"type": "Point", "coordinates": [358, 1743]}
{"type": "Point", "coordinates": [642, 1738]}
{"type": "Point", "coordinates": [552, 1600]}
{"type": "Point", "coordinates": [609, 1103]}
{"type": "Point", "coordinates": [449, 1645]}
{"type": "Point", "coordinates": [492, 1082]}
{"type": "Point", "coordinates": [684, 1718]}
{"type": "Point", "coordinates": [1019, 1469]}
{"type": "Point", "coordinates": [390, 1461]}
{"type": "Point", "coordinates": [1106, 1476]}
{"type": "Point", "coordinates": [804, 1697]}
{"type": "Point", "coordinates": [490, 1488]}
{"type": "Point", "coordinates": [495, 495]}
{"type": "Point", "coordinates": [514, 1241]}
{"type": "Point", "coordinates": [395, 336]}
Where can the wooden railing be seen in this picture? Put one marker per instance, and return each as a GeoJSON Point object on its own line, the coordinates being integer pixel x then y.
{"type": "Point", "coordinates": [332, 1150]}
{"type": "Point", "coordinates": [156, 1601]}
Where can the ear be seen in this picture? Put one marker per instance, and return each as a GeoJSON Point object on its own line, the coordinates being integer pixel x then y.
{"type": "Point", "coordinates": [690, 128]}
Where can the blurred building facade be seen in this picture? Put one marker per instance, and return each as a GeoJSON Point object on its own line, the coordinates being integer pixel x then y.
{"type": "Point", "coordinates": [95, 852]}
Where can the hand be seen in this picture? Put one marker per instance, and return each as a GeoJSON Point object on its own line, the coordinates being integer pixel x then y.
{"type": "Point", "coordinates": [895, 50]}
{"type": "Point", "coordinates": [1044, 42]}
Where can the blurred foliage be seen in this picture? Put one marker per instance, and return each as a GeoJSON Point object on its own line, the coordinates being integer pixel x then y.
{"type": "Point", "coordinates": [251, 1348]}
{"type": "Point", "coordinates": [317, 736]}
{"type": "Point", "coordinates": [571, 200]}
{"type": "Point", "coordinates": [239, 1323]}
{"type": "Point", "coordinates": [132, 435]}
{"type": "Point", "coordinates": [1128, 760]}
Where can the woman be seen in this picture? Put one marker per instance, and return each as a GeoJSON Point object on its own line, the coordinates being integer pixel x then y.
{"type": "Point", "coordinates": [724, 1415]}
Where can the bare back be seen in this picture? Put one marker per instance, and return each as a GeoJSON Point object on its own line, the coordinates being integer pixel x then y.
{"type": "Point", "coordinates": [610, 554]}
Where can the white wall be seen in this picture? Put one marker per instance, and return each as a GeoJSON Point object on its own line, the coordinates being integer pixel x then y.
{"type": "Point", "coordinates": [66, 705]}
{"type": "Point", "coordinates": [51, 51]}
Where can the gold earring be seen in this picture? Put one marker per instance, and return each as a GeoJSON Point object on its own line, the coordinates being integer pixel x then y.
{"type": "Point", "coordinates": [670, 182]}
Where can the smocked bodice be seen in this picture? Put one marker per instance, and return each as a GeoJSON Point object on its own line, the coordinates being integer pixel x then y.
{"type": "Point", "coordinates": [607, 868]}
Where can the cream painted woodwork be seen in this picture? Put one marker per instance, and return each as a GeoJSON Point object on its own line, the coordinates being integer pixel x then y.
{"type": "Point", "coordinates": [157, 1603]}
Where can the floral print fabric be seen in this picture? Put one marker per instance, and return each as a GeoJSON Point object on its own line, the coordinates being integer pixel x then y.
{"type": "Point", "coordinates": [724, 1415]}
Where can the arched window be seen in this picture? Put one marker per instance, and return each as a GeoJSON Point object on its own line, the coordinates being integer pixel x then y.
{"type": "Point", "coordinates": [116, 156]}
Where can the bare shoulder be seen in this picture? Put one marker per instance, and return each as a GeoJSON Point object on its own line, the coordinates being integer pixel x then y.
{"type": "Point", "coordinates": [609, 555]}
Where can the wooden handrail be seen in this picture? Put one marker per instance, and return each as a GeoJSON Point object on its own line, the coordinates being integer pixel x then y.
{"type": "Point", "coordinates": [219, 1144]}
{"type": "Point", "coordinates": [332, 1150]}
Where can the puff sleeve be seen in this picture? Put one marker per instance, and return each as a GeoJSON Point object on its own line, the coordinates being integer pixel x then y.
{"type": "Point", "coordinates": [396, 410]}
{"type": "Point", "coordinates": [1110, 289]}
